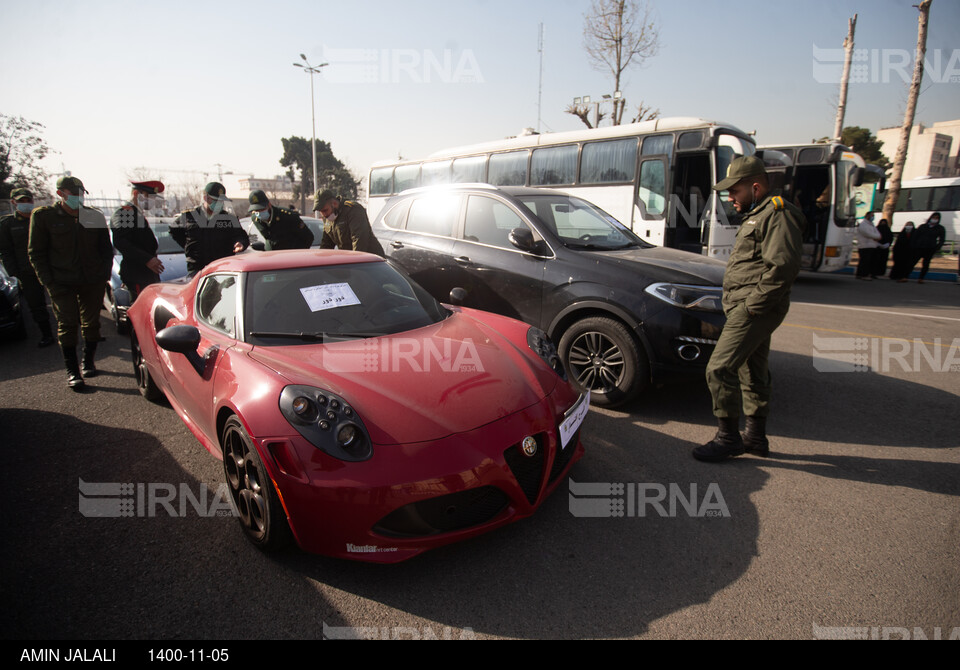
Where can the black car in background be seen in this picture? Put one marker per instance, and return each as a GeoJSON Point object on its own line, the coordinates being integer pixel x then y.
{"type": "Point", "coordinates": [623, 313]}
{"type": "Point", "coordinates": [12, 307]}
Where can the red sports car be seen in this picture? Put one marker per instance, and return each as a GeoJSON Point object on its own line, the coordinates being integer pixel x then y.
{"type": "Point", "coordinates": [350, 408]}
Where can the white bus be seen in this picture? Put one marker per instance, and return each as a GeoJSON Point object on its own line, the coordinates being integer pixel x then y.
{"type": "Point", "coordinates": [822, 180]}
{"type": "Point", "coordinates": [919, 198]}
{"type": "Point", "coordinates": [654, 177]}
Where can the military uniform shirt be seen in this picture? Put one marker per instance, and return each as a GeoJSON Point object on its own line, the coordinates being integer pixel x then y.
{"type": "Point", "coordinates": [766, 256]}
{"type": "Point", "coordinates": [284, 230]}
{"type": "Point", "coordinates": [350, 231]}
{"type": "Point", "coordinates": [69, 250]}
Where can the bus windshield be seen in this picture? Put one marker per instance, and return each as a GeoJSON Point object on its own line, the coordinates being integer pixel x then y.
{"type": "Point", "coordinates": [845, 204]}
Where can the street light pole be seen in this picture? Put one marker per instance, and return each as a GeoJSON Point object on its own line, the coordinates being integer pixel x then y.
{"type": "Point", "coordinates": [312, 69]}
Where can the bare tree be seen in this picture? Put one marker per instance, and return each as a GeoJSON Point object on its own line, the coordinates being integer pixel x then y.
{"type": "Point", "coordinates": [620, 34]}
{"type": "Point", "coordinates": [645, 113]}
{"type": "Point", "coordinates": [893, 192]}
{"type": "Point", "coordinates": [582, 112]}
{"type": "Point", "coordinates": [845, 79]}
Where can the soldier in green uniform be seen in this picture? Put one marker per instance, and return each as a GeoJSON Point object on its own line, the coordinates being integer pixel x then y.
{"type": "Point", "coordinates": [208, 232]}
{"type": "Point", "coordinates": [756, 296]}
{"type": "Point", "coordinates": [279, 227]}
{"type": "Point", "coordinates": [134, 239]}
{"type": "Point", "coordinates": [345, 224]}
{"type": "Point", "coordinates": [71, 252]}
{"type": "Point", "coordinates": [14, 234]}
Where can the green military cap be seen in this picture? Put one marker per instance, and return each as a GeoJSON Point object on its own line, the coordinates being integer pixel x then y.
{"type": "Point", "coordinates": [215, 190]}
{"type": "Point", "coordinates": [71, 184]}
{"type": "Point", "coordinates": [18, 193]}
{"type": "Point", "coordinates": [258, 201]}
{"type": "Point", "coordinates": [741, 168]}
{"type": "Point", "coordinates": [322, 197]}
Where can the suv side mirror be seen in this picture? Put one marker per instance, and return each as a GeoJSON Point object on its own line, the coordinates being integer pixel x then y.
{"type": "Point", "coordinates": [522, 239]}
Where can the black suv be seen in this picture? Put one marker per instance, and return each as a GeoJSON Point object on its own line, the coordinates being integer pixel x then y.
{"type": "Point", "coordinates": [623, 312]}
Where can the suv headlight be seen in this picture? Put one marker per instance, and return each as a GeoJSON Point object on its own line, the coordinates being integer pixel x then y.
{"type": "Point", "coordinates": [327, 421]}
{"type": "Point", "coordinates": [541, 343]}
{"type": "Point", "coordinates": [686, 296]}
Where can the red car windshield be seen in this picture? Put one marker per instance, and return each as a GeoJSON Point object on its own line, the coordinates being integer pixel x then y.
{"type": "Point", "coordinates": [332, 302]}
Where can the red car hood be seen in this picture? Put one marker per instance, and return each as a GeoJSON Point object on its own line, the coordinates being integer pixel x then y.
{"type": "Point", "coordinates": [425, 384]}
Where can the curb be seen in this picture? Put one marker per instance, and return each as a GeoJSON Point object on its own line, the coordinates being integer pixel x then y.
{"type": "Point", "coordinates": [951, 277]}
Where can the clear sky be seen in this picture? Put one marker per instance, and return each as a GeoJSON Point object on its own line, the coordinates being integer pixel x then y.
{"type": "Point", "coordinates": [189, 88]}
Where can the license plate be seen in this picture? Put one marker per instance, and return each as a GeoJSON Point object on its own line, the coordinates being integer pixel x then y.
{"type": "Point", "coordinates": [573, 418]}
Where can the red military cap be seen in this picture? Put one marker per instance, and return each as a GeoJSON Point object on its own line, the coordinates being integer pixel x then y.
{"type": "Point", "coordinates": [149, 187]}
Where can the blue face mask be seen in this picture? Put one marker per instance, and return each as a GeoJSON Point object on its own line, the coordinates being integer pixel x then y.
{"type": "Point", "coordinates": [216, 206]}
{"type": "Point", "coordinates": [74, 201]}
{"type": "Point", "coordinates": [25, 207]}
{"type": "Point", "coordinates": [263, 216]}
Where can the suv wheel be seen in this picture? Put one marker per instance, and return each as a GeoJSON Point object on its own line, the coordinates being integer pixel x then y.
{"type": "Point", "coordinates": [602, 356]}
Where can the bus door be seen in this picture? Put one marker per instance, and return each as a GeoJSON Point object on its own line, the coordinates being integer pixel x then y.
{"type": "Point", "coordinates": [688, 201]}
{"type": "Point", "coordinates": [812, 190]}
{"type": "Point", "coordinates": [720, 220]}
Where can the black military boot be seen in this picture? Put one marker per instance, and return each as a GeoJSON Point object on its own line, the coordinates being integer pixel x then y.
{"type": "Point", "coordinates": [46, 334]}
{"type": "Point", "coordinates": [726, 444]}
{"type": "Point", "coordinates": [87, 367]}
{"type": "Point", "coordinates": [74, 378]}
{"type": "Point", "coordinates": [755, 436]}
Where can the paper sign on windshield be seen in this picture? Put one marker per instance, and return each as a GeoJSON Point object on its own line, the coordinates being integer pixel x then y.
{"type": "Point", "coordinates": [328, 296]}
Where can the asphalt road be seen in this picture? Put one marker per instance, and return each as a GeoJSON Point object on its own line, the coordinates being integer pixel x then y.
{"type": "Point", "coordinates": [850, 529]}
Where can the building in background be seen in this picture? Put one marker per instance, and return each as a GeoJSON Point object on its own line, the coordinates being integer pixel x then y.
{"type": "Point", "coordinates": [932, 151]}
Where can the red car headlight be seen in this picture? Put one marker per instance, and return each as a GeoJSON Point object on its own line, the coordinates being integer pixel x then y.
{"type": "Point", "coordinates": [327, 421]}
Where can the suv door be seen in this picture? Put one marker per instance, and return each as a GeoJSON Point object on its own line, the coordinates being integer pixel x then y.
{"type": "Point", "coordinates": [497, 276]}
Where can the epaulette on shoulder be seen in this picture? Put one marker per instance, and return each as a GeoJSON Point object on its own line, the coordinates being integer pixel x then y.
{"type": "Point", "coordinates": [349, 203]}
{"type": "Point", "coordinates": [778, 203]}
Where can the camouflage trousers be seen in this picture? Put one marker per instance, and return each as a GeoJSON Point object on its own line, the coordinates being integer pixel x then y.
{"type": "Point", "coordinates": [738, 373]}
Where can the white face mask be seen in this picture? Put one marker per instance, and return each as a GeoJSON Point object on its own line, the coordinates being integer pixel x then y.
{"type": "Point", "coordinates": [331, 218]}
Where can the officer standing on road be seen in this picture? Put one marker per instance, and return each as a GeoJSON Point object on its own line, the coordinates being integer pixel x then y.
{"type": "Point", "coordinates": [280, 228]}
{"type": "Point", "coordinates": [14, 234]}
{"type": "Point", "coordinates": [345, 224]}
{"type": "Point", "coordinates": [134, 239]}
{"type": "Point", "coordinates": [70, 250]}
{"type": "Point", "coordinates": [208, 232]}
{"type": "Point", "coordinates": [756, 297]}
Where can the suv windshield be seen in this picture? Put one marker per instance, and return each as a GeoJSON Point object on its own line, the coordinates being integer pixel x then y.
{"type": "Point", "coordinates": [579, 224]}
{"type": "Point", "coordinates": [322, 303]}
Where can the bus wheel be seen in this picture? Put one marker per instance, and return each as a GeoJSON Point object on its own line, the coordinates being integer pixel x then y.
{"type": "Point", "coordinates": [602, 357]}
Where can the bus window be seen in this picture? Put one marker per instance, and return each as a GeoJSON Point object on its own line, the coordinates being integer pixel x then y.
{"type": "Point", "coordinates": [508, 169]}
{"type": "Point", "coordinates": [381, 181]}
{"type": "Point", "coordinates": [691, 140]}
{"type": "Point", "coordinates": [652, 190]}
{"type": "Point", "coordinates": [945, 199]}
{"type": "Point", "coordinates": [608, 162]}
{"type": "Point", "coordinates": [406, 176]}
{"type": "Point", "coordinates": [435, 173]}
{"type": "Point", "coordinates": [469, 170]}
{"type": "Point", "coordinates": [554, 165]}
{"type": "Point", "coordinates": [658, 144]}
